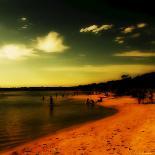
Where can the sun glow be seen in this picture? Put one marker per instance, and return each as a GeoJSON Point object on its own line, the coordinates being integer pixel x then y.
{"type": "Point", "coordinates": [13, 51]}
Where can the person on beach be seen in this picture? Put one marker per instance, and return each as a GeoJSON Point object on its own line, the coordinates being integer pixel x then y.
{"type": "Point", "coordinates": [100, 100]}
{"type": "Point", "coordinates": [150, 96]}
{"type": "Point", "coordinates": [43, 98]}
{"type": "Point", "coordinates": [87, 102]}
{"type": "Point", "coordinates": [92, 103]}
{"type": "Point", "coordinates": [51, 102]}
{"type": "Point", "coordinates": [141, 96]}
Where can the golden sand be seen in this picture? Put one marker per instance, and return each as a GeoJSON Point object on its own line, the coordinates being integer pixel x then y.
{"type": "Point", "coordinates": [131, 131]}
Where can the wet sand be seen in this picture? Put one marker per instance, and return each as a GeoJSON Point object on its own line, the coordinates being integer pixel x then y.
{"type": "Point", "coordinates": [131, 131]}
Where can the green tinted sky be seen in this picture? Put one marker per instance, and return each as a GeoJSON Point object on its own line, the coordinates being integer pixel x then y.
{"type": "Point", "coordinates": [57, 43]}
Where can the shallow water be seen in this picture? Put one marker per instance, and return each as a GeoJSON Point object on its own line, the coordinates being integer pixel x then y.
{"type": "Point", "coordinates": [25, 115]}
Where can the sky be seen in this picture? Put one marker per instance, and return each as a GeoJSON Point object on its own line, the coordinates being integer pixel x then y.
{"type": "Point", "coordinates": [67, 43]}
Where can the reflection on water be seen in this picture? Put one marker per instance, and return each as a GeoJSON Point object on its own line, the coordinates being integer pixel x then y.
{"type": "Point", "coordinates": [27, 115]}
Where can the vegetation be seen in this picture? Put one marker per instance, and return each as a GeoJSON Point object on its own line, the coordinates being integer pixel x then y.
{"type": "Point", "coordinates": [142, 87]}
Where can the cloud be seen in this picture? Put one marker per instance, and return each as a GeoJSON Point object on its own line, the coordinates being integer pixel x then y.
{"type": "Point", "coordinates": [135, 54]}
{"type": "Point", "coordinates": [141, 25]}
{"type": "Point", "coordinates": [89, 29]}
{"type": "Point", "coordinates": [136, 35]}
{"type": "Point", "coordinates": [96, 29]}
{"type": "Point", "coordinates": [153, 42]}
{"type": "Point", "coordinates": [52, 42]}
{"type": "Point", "coordinates": [128, 29]}
{"type": "Point", "coordinates": [23, 18]}
{"type": "Point", "coordinates": [106, 70]}
{"type": "Point", "coordinates": [131, 28]}
{"type": "Point", "coordinates": [25, 26]}
{"type": "Point", "coordinates": [82, 55]}
{"type": "Point", "coordinates": [16, 51]}
{"type": "Point", "coordinates": [119, 40]}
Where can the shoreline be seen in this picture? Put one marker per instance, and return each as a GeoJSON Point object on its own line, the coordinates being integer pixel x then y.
{"type": "Point", "coordinates": [129, 131]}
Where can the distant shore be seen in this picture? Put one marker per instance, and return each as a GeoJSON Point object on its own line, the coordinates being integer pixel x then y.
{"type": "Point", "coordinates": [128, 132]}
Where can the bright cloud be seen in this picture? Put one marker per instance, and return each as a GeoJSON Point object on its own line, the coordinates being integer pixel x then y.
{"type": "Point", "coordinates": [131, 28]}
{"type": "Point", "coordinates": [141, 25]}
{"type": "Point", "coordinates": [52, 42]}
{"type": "Point", "coordinates": [119, 40]}
{"type": "Point", "coordinates": [23, 18]}
{"type": "Point", "coordinates": [24, 27]}
{"type": "Point", "coordinates": [90, 28]}
{"type": "Point", "coordinates": [128, 29]}
{"type": "Point", "coordinates": [96, 29]}
{"type": "Point", "coordinates": [135, 54]}
{"type": "Point", "coordinates": [16, 51]}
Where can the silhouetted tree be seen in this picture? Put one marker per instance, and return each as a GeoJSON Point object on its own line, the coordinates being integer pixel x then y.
{"type": "Point", "coordinates": [125, 76]}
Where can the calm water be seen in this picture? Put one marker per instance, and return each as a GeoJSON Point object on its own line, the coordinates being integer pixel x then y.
{"type": "Point", "coordinates": [25, 116]}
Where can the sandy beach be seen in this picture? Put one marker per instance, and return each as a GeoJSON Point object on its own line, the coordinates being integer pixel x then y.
{"type": "Point", "coordinates": [131, 131]}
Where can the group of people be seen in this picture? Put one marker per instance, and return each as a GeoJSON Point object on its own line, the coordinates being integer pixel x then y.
{"type": "Point", "coordinates": [91, 102]}
{"type": "Point", "coordinates": [143, 95]}
{"type": "Point", "coordinates": [51, 101]}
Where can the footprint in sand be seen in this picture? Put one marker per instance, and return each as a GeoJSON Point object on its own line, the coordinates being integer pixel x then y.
{"type": "Point", "coordinates": [55, 151]}
{"type": "Point", "coordinates": [108, 149]}
{"type": "Point", "coordinates": [27, 150]}
{"type": "Point", "coordinates": [14, 153]}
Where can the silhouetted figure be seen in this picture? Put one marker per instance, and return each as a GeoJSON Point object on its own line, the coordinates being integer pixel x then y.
{"type": "Point", "coordinates": [56, 95]}
{"type": "Point", "coordinates": [150, 96]}
{"type": "Point", "coordinates": [100, 100]}
{"type": "Point", "coordinates": [141, 96]}
{"type": "Point", "coordinates": [139, 100]}
{"type": "Point", "coordinates": [51, 102]}
{"type": "Point", "coordinates": [106, 93]}
{"type": "Point", "coordinates": [43, 98]}
{"type": "Point", "coordinates": [92, 103]}
{"type": "Point", "coordinates": [87, 102]}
